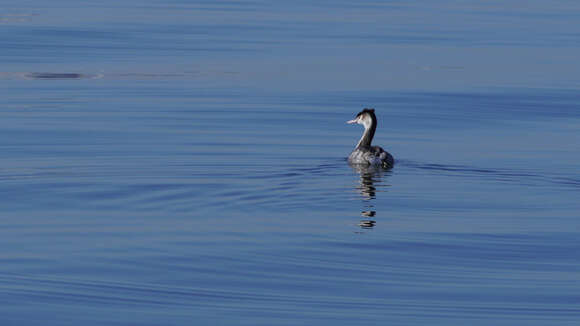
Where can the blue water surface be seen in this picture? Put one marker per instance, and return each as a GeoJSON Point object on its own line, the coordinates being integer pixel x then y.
{"type": "Point", "coordinates": [184, 163]}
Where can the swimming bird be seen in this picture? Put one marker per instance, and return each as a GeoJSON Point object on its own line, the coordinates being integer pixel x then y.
{"type": "Point", "coordinates": [364, 153]}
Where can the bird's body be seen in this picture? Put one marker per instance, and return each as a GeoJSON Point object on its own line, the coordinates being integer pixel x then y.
{"type": "Point", "coordinates": [364, 153]}
{"type": "Point", "coordinates": [373, 155]}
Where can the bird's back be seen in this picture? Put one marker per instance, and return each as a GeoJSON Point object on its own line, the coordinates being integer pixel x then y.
{"type": "Point", "coordinates": [373, 155]}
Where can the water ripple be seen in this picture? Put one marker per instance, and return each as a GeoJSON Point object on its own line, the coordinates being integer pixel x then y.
{"type": "Point", "coordinates": [504, 175]}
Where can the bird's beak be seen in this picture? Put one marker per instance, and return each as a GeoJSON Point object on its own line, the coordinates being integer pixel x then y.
{"type": "Point", "coordinates": [351, 121]}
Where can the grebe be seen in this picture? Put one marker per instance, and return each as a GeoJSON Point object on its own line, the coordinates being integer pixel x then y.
{"type": "Point", "coordinates": [364, 153]}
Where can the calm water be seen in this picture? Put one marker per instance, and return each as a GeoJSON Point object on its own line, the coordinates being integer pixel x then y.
{"type": "Point", "coordinates": [181, 163]}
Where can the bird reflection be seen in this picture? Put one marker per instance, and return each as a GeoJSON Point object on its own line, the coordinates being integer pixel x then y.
{"type": "Point", "coordinates": [369, 177]}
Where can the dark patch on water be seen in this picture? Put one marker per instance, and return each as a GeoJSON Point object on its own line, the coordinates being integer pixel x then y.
{"type": "Point", "coordinates": [55, 75]}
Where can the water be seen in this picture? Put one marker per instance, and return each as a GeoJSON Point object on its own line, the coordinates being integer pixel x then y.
{"type": "Point", "coordinates": [170, 163]}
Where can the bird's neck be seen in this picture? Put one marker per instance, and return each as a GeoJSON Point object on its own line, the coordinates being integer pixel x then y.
{"type": "Point", "coordinates": [368, 134]}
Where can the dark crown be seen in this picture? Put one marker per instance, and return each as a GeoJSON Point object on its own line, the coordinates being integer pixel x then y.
{"type": "Point", "coordinates": [366, 110]}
